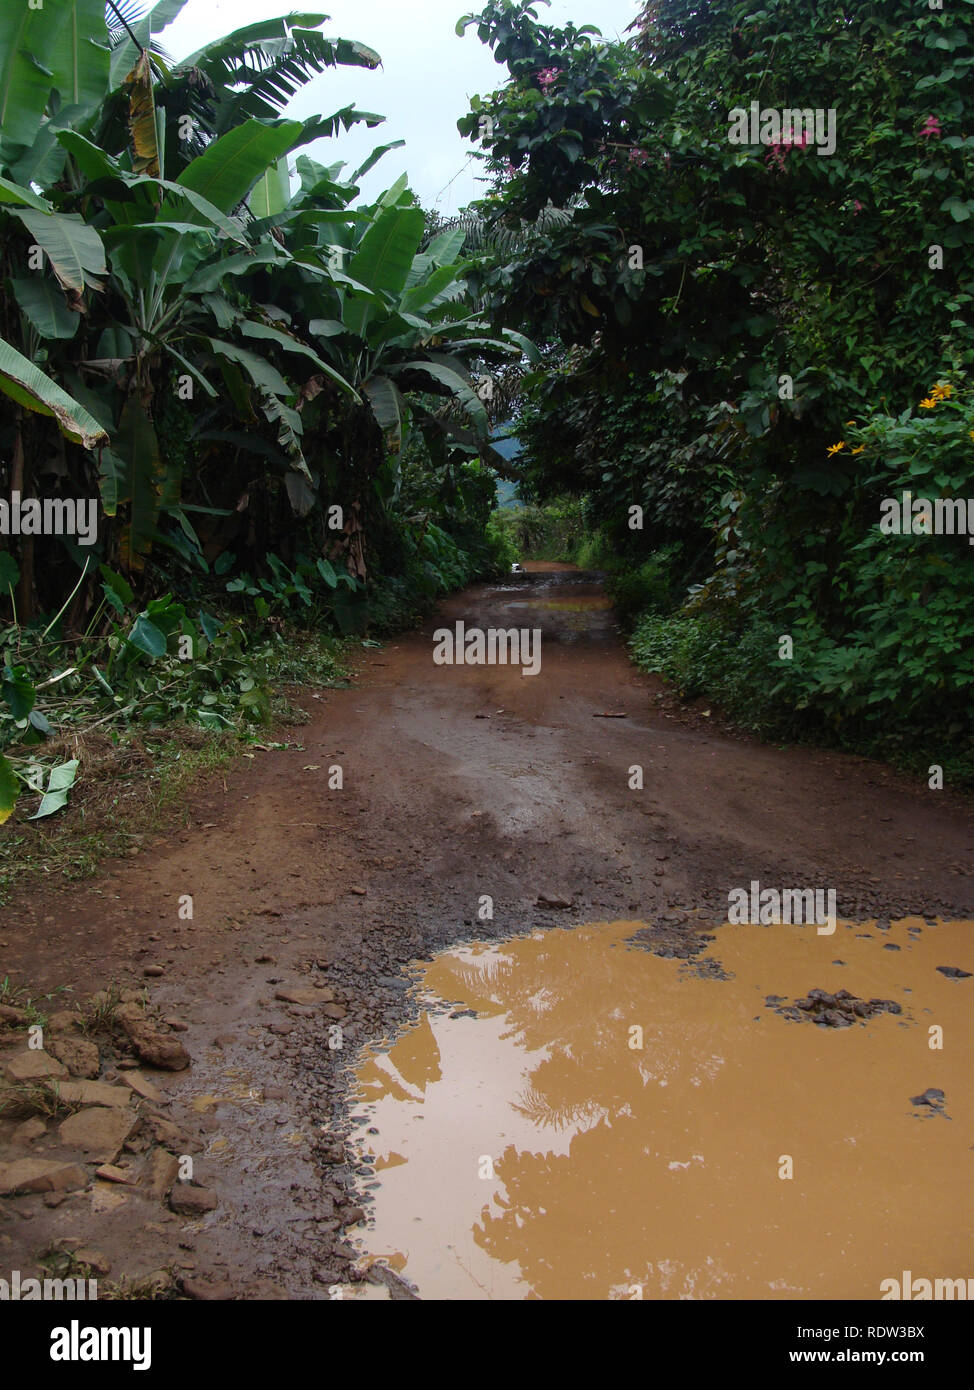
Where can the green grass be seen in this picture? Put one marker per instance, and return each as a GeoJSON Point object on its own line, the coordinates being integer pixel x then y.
{"type": "Point", "coordinates": [17, 997]}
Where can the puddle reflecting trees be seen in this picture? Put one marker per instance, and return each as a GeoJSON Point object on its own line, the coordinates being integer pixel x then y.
{"type": "Point", "coordinates": [612, 1166]}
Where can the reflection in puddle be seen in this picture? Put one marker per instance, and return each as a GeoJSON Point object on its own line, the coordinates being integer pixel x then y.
{"type": "Point", "coordinates": [591, 603]}
{"type": "Point", "coordinates": [538, 1151]}
{"type": "Point", "coordinates": [564, 613]}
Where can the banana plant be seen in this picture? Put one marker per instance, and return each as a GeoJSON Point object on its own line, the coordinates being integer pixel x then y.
{"type": "Point", "coordinates": [26, 384]}
{"type": "Point", "coordinates": [255, 71]}
{"type": "Point", "coordinates": [396, 320]}
{"type": "Point", "coordinates": [166, 242]}
{"type": "Point", "coordinates": [53, 68]}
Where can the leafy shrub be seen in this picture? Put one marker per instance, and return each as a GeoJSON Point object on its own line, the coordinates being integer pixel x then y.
{"type": "Point", "coordinates": [651, 587]}
{"type": "Point", "coordinates": [707, 654]}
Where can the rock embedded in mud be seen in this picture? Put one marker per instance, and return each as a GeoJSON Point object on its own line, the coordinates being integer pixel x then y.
{"type": "Point", "coordinates": [156, 1048]}
{"type": "Point", "coordinates": [78, 1055]}
{"type": "Point", "coordinates": [143, 1087]}
{"type": "Point", "coordinates": [932, 1096]}
{"type": "Point", "coordinates": [34, 1065]}
{"type": "Point", "coordinates": [165, 1132]}
{"type": "Point", "coordinates": [40, 1175]}
{"type": "Point", "coordinates": [91, 1093]}
{"type": "Point", "coordinates": [331, 1151]}
{"type": "Point", "coordinates": [98, 1132]}
{"type": "Point", "coordinates": [109, 1173]}
{"type": "Point", "coordinates": [953, 972]}
{"type": "Point", "coordinates": [838, 1010]}
{"type": "Point", "coordinates": [188, 1200]}
{"type": "Point", "coordinates": [160, 1173]}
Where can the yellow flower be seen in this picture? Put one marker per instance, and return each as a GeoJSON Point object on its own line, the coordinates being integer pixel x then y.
{"type": "Point", "coordinates": [834, 448]}
{"type": "Point", "coordinates": [942, 390]}
{"type": "Point", "coordinates": [859, 449]}
{"type": "Point", "coordinates": [971, 433]}
{"type": "Point", "coordinates": [928, 404]}
{"type": "Point", "coordinates": [850, 422]}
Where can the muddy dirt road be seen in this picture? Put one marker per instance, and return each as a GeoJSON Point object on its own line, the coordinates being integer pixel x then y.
{"type": "Point", "coordinates": [462, 783]}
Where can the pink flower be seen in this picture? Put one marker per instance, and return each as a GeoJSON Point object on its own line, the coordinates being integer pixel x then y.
{"type": "Point", "coordinates": [856, 208]}
{"type": "Point", "coordinates": [776, 157]}
{"type": "Point", "coordinates": [931, 127]}
{"type": "Point", "coordinates": [547, 76]}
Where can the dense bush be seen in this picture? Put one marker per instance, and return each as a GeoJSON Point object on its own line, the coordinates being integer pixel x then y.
{"type": "Point", "coordinates": [740, 339]}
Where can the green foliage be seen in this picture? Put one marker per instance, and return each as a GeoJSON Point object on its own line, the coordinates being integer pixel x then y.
{"type": "Point", "coordinates": [713, 314]}
{"type": "Point", "coordinates": [501, 541]}
{"type": "Point", "coordinates": [245, 360]}
{"type": "Point", "coordinates": [706, 654]}
{"type": "Point", "coordinates": [231, 349]}
{"type": "Point", "coordinates": [650, 587]}
{"type": "Point", "coordinates": [568, 90]}
{"type": "Point", "coordinates": [310, 592]}
{"type": "Point", "coordinates": [554, 531]}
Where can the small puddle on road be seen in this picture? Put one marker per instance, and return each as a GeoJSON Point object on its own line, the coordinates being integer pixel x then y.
{"type": "Point", "coordinates": [531, 1152]}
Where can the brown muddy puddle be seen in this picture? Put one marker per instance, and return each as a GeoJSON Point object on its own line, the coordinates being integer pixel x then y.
{"type": "Point", "coordinates": [532, 1152]}
{"type": "Point", "coordinates": [565, 612]}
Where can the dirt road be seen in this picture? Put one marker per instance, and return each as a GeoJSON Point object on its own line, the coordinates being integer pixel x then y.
{"type": "Point", "coordinates": [459, 783]}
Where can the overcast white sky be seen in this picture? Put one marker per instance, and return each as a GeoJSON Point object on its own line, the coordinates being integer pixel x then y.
{"type": "Point", "coordinates": [423, 87]}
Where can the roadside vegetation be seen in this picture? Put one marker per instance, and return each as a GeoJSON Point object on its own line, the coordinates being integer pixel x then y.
{"type": "Point", "coordinates": [264, 390]}
{"type": "Point", "coordinates": [751, 350]}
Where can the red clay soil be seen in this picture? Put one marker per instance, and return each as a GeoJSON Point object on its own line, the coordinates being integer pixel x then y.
{"type": "Point", "coordinates": [458, 782]}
